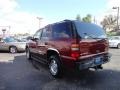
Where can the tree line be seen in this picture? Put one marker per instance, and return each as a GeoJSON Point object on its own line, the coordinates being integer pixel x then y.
{"type": "Point", "coordinates": [108, 22]}
{"type": "Point", "coordinates": [87, 18]}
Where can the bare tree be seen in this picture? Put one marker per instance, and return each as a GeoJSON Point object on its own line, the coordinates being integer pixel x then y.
{"type": "Point", "coordinates": [109, 22]}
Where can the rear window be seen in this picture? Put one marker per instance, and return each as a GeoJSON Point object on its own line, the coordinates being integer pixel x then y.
{"type": "Point", "coordinates": [10, 40]}
{"type": "Point", "coordinates": [88, 30]}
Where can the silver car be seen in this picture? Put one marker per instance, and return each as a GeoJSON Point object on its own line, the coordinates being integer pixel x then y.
{"type": "Point", "coordinates": [12, 45]}
{"type": "Point", "coordinates": [114, 41]}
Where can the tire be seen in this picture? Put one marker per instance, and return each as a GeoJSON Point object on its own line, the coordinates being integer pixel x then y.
{"type": "Point", "coordinates": [55, 66]}
{"type": "Point", "coordinates": [28, 54]}
{"type": "Point", "coordinates": [13, 49]}
{"type": "Point", "coordinates": [118, 46]}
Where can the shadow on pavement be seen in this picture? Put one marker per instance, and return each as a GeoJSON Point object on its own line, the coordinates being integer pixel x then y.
{"type": "Point", "coordinates": [113, 47]}
{"type": "Point", "coordinates": [11, 53]}
{"type": "Point", "coordinates": [19, 74]}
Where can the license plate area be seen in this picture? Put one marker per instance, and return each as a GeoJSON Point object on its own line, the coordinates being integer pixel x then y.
{"type": "Point", "coordinates": [98, 60]}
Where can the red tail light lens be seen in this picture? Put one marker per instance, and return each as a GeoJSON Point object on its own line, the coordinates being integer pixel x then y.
{"type": "Point", "coordinates": [75, 51]}
{"type": "Point", "coordinates": [75, 54]}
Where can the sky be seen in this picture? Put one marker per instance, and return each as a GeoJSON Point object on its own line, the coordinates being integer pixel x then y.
{"type": "Point", "coordinates": [61, 9]}
{"type": "Point", "coordinates": [21, 15]}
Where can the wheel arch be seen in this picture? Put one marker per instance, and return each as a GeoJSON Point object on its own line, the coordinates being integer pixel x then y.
{"type": "Point", "coordinates": [52, 51]}
{"type": "Point", "coordinates": [118, 44]}
{"type": "Point", "coordinates": [12, 46]}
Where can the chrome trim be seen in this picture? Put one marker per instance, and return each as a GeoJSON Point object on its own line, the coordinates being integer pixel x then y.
{"type": "Point", "coordinates": [68, 57]}
{"type": "Point", "coordinates": [54, 50]}
{"type": "Point", "coordinates": [87, 56]}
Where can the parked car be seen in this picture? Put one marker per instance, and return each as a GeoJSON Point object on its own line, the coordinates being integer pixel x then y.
{"type": "Point", "coordinates": [12, 45]}
{"type": "Point", "coordinates": [69, 45]}
{"type": "Point", "coordinates": [24, 39]}
{"type": "Point", "coordinates": [114, 41]}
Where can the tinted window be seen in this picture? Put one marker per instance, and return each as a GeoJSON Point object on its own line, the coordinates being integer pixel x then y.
{"type": "Point", "coordinates": [37, 34]}
{"type": "Point", "coordinates": [88, 30]}
{"type": "Point", "coordinates": [46, 34]}
{"type": "Point", "coordinates": [61, 30]}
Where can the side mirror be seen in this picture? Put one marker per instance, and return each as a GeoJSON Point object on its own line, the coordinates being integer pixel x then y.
{"type": "Point", "coordinates": [36, 39]}
{"type": "Point", "coordinates": [29, 38]}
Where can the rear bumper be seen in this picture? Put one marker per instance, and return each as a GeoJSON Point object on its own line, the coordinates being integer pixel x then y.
{"type": "Point", "coordinates": [85, 63]}
{"type": "Point", "coordinates": [113, 45]}
{"type": "Point", "coordinates": [91, 62]}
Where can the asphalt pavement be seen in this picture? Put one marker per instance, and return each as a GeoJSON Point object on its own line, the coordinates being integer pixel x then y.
{"type": "Point", "coordinates": [17, 73]}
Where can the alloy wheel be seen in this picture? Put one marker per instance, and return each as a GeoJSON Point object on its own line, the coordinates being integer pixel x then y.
{"type": "Point", "coordinates": [13, 50]}
{"type": "Point", "coordinates": [53, 67]}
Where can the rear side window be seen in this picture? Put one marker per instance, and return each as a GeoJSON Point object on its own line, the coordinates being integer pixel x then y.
{"type": "Point", "coordinates": [61, 30]}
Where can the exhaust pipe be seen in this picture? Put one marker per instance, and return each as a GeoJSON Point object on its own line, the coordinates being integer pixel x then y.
{"type": "Point", "coordinates": [98, 67]}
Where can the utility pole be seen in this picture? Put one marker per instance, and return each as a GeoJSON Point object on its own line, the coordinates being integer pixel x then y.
{"type": "Point", "coordinates": [39, 18]}
{"type": "Point", "coordinates": [4, 29]}
{"type": "Point", "coordinates": [117, 16]}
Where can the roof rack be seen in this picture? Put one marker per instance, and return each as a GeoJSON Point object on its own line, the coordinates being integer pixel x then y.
{"type": "Point", "coordinates": [66, 20]}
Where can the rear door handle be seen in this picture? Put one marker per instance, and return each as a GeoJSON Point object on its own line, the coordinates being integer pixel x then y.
{"type": "Point", "coordinates": [43, 44]}
{"type": "Point", "coordinates": [46, 43]}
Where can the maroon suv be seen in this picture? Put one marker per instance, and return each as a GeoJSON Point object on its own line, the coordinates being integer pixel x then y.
{"type": "Point", "coordinates": [69, 44]}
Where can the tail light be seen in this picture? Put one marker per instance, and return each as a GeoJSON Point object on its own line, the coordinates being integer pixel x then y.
{"type": "Point", "coordinates": [75, 51]}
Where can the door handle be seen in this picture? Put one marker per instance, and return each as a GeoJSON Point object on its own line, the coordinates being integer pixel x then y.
{"type": "Point", "coordinates": [43, 44]}
{"type": "Point", "coordinates": [46, 43]}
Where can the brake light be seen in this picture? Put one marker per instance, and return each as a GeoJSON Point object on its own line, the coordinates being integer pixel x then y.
{"type": "Point", "coordinates": [75, 51]}
{"type": "Point", "coordinates": [75, 54]}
